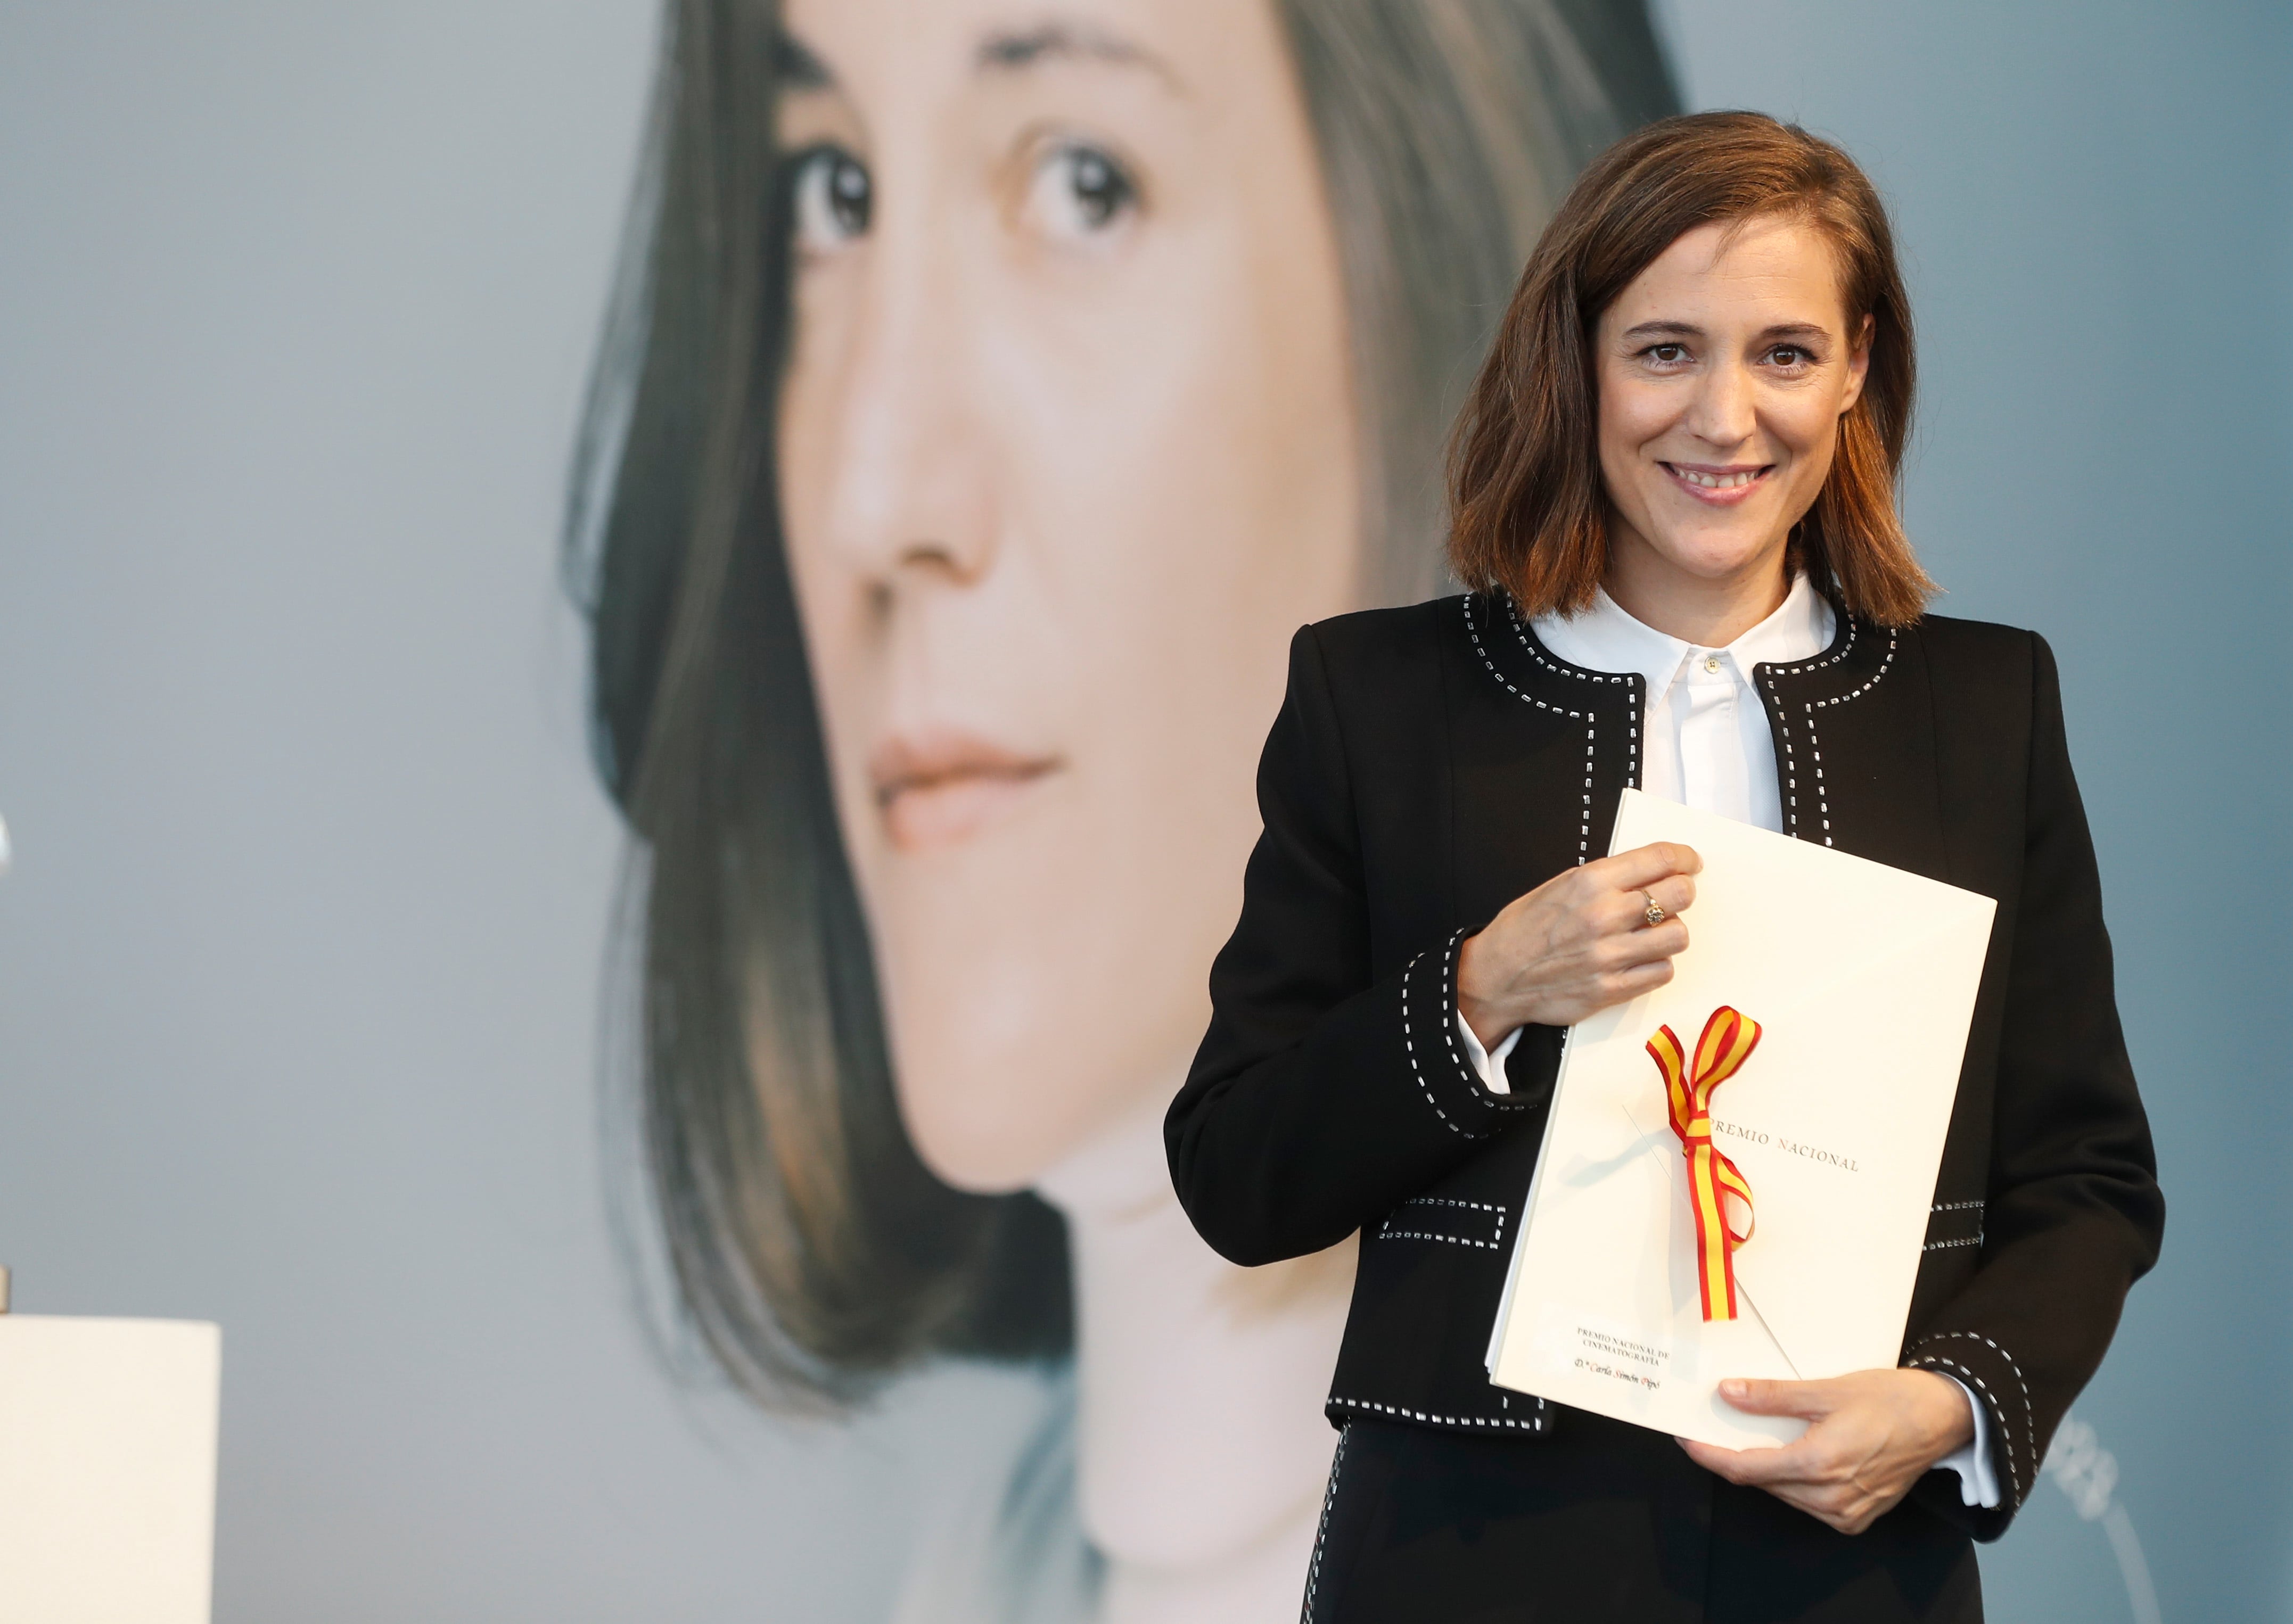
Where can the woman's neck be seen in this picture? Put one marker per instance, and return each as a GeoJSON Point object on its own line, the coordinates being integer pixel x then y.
{"type": "Point", "coordinates": [1200, 1445]}
{"type": "Point", "coordinates": [1710, 612]}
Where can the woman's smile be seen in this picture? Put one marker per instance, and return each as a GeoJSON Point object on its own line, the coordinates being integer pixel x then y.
{"type": "Point", "coordinates": [1719, 486]}
{"type": "Point", "coordinates": [939, 787]}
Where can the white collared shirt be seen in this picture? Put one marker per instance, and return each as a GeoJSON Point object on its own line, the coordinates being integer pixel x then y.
{"type": "Point", "coordinates": [1705, 742]}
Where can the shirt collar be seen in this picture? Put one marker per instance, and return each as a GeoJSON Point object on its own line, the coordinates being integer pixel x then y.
{"type": "Point", "coordinates": [1605, 638]}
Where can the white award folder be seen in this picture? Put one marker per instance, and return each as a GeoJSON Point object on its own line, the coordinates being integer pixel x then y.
{"type": "Point", "coordinates": [1862, 981]}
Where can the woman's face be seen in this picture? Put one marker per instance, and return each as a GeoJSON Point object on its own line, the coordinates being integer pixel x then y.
{"type": "Point", "coordinates": [1067, 451]}
{"type": "Point", "coordinates": [1724, 369]}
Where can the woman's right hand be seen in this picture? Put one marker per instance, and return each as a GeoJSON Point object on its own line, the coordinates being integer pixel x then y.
{"type": "Point", "coordinates": [1577, 943]}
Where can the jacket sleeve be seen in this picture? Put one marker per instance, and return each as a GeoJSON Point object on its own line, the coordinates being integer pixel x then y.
{"type": "Point", "coordinates": [2073, 1215]}
{"type": "Point", "coordinates": [1320, 1098]}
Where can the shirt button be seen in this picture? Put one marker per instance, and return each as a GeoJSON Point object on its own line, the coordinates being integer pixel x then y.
{"type": "Point", "coordinates": [1712, 664]}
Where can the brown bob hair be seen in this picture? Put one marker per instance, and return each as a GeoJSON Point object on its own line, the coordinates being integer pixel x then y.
{"type": "Point", "coordinates": [1528, 512]}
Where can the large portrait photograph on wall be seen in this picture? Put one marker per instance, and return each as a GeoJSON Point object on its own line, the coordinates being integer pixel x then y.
{"type": "Point", "coordinates": [991, 398]}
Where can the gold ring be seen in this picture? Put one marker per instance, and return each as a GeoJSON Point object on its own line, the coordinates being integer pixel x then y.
{"type": "Point", "coordinates": [1653, 913]}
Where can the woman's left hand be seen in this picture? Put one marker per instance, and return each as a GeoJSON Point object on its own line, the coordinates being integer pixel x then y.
{"type": "Point", "coordinates": [1873, 1434]}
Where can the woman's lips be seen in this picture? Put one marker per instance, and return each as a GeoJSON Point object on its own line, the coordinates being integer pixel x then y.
{"type": "Point", "coordinates": [1717, 486]}
{"type": "Point", "coordinates": [939, 788]}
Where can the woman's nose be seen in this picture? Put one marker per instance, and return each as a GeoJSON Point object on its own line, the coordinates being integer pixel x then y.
{"type": "Point", "coordinates": [910, 494]}
{"type": "Point", "coordinates": [1722, 413]}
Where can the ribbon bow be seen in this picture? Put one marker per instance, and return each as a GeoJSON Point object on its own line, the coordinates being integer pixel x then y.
{"type": "Point", "coordinates": [1727, 1041]}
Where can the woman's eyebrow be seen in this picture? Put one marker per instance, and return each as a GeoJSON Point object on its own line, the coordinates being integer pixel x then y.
{"type": "Point", "coordinates": [1663, 329]}
{"type": "Point", "coordinates": [1688, 329]}
{"type": "Point", "coordinates": [1003, 50]}
{"type": "Point", "coordinates": [796, 67]}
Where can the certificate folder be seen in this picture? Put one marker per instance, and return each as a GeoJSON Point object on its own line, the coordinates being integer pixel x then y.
{"type": "Point", "coordinates": [1861, 980]}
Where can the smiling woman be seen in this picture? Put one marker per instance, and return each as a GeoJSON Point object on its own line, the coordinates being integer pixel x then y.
{"type": "Point", "coordinates": [989, 393]}
{"type": "Point", "coordinates": [1674, 487]}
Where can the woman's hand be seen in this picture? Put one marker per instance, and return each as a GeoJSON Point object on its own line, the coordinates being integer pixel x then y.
{"type": "Point", "coordinates": [1577, 943]}
{"type": "Point", "coordinates": [1875, 1433]}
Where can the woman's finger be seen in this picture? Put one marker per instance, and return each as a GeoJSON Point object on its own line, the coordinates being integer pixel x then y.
{"type": "Point", "coordinates": [1808, 1401]}
{"type": "Point", "coordinates": [1645, 865]}
{"type": "Point", "coordinates": [1627, 910]}
{"type": "Point", "coordinates": [1672, 895]}
{"type": "Point", "coordinates": [1786, 1463]}
{"type": "Point", "coordinates": [1622, 986]}
{"type": "Point", "coordinates": [1623, 949]}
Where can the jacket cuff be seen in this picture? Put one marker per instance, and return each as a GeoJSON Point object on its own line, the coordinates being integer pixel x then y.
{"type": "Point", "coordinates": [1991, 1375]}
{"type": "Point", "coordinates": [1440, 1068]}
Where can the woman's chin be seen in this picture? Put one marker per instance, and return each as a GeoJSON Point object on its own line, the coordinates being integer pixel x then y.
{"type": "Point", "coordinates": [1719, 554]}
{"type": "Point", "coordinates": [979, 1134]}
{"type": "Point", "coordinates": [986, 1142]}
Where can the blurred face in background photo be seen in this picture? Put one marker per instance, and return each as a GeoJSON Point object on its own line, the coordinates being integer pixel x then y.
{"type": "Point", "coordinates": [1067, 449]}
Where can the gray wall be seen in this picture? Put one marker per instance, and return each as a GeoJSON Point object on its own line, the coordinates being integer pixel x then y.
{"type": "Point", "coordinates": [298, 964]}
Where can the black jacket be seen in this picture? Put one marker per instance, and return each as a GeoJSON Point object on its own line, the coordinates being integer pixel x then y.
{"type": "Point", "coordinates": [1431, 763]}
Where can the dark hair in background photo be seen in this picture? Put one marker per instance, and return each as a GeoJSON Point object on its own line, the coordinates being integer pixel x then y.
{"type": "Point", "coordinates": [812, 1252]}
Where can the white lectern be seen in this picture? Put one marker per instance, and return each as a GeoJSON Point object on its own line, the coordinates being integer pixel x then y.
{"type": "Point", "coordinates": [107, 1469]}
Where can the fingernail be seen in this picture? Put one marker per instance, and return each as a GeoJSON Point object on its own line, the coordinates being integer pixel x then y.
{"type": "Point", "coordinates": [1731, 1389]}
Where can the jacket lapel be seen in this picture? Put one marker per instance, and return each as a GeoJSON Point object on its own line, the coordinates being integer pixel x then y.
{"type": "Point", "coordinates": [1855, 747]}
{"type": "Point", "coordinates": [1543, 750]}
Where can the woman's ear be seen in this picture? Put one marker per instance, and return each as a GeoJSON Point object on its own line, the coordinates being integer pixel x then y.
{"type": "Point", "coordinates": [1858, 365]}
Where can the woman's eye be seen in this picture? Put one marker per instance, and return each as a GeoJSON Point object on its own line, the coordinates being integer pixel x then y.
{"type": "Point", "coordinates": [1788, 355]}
{"type": "Point", "coordinates": [832, 198]}
{"type": "Point", "coordinates": [1078, 191]}
{"type": "Point", "coordinates": [1666, 355]}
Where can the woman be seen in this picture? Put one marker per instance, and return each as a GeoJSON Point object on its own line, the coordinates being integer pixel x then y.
{"type": "Point", "coordinates": [1673, 498]}
{"type": "Point", "coordinates": [991, 391]}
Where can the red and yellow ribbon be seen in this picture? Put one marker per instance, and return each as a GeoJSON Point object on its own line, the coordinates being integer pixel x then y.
{"type": "Point", "coordinates": [1727, 1041]}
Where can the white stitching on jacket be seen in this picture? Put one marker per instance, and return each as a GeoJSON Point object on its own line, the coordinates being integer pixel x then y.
{"type": "Point", "coordinates": [1409, 1047]}
{"type": "Point", "coordinates": [1942, 1245]}
{"type": "Point", "coordinates": [1791, 761]}
{"type": "Point", "coordinates": [2030, 1419]}
{"type": "Point", "coordinates": [1386, 1232]}
{"type": "Point", "coordinates": [1584, 830]}
{"type": "Point", "coordinates": [1322, 1535]}
{"type": "Point", "coordinates": [1474, 632]}
{"type": "Point", "coordinates": [1814, 744]}
{"type": "Point", "coordinates": [1811, 665]}
{"type": "Point", "coordinates": [1535, 1425]}
{"type": "Point", "coordinates": [2005, 1433]}
{"type": "Point", "coordinates": [1479, 1091]}
{"type": "Point", "coordinates": [1955, 1207]}
{"type": "Point", "coordinates": [1887, 659]}
{"type": "Point", "coordinates": [1561, 668]}
{"type": "Point", "coordinates": [1558, 667]}
{"type": "Point", "coordinates": [1420, 1234]}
